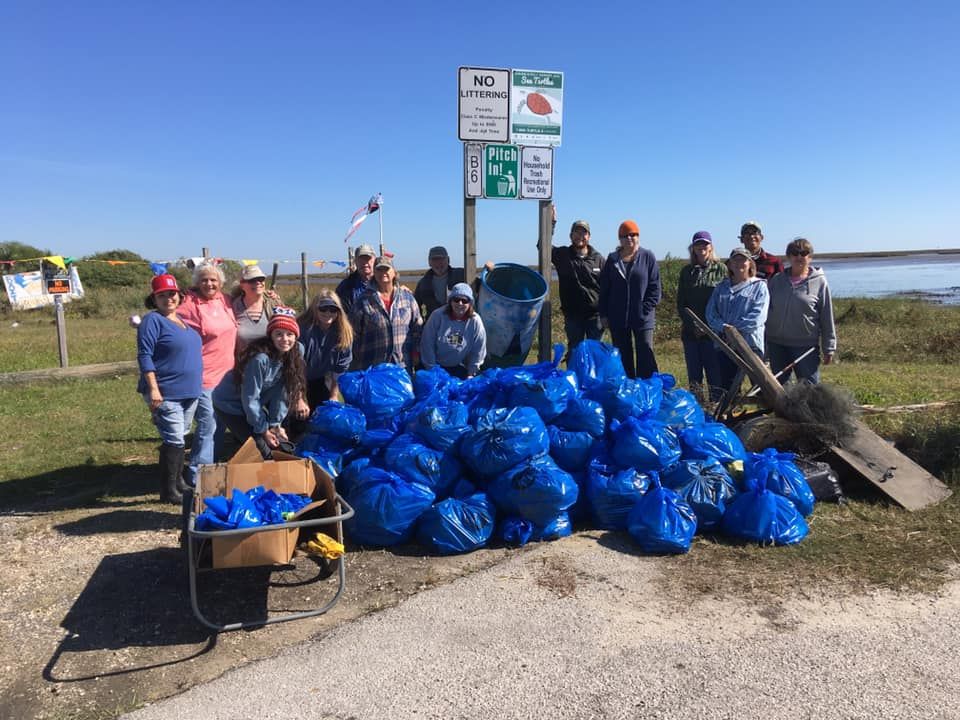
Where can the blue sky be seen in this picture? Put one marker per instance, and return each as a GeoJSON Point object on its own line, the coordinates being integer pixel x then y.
{"type": "Point", "coordinates": [256, 129]}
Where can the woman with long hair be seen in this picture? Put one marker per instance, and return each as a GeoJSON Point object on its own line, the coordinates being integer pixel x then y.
{"type": "Point", "coordinates": [168, 353]}
{"type": "Point", "coordinates": [697, 281]}
{"type": "Point", "coordinates": [253, 398]}
{"type": "Point", "coordinates": [327, 338]}
{"type": "Point", "coordinates": [208, 311]}
{"type": "Point", "coordinates": [454, 337]}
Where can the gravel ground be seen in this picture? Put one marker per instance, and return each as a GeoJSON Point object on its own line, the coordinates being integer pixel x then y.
{"type": "Point", "coordinates": [574, 629]}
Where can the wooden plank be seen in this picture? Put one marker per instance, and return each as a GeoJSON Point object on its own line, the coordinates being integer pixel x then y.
{"type": "Point", "coordinates": [124, 367]}
{"type": "Point", "coordinates": [889, 470]}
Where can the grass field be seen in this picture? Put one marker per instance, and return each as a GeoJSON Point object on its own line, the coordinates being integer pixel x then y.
{"type": "Point", "coordinates": [87, 438]}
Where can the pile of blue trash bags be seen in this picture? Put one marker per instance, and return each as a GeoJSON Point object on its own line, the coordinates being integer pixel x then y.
{"type": "Point", "coordinates": [520, 454]}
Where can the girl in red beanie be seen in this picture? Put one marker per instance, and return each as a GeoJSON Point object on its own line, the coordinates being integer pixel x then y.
{"type": "Point", "coordinates": [253, 398]}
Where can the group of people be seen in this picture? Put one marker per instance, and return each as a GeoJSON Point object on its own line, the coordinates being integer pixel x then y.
{"type": "Point", "coordinates": [784, 314]}
{"type": "Point", "coordinates": [244, 362]}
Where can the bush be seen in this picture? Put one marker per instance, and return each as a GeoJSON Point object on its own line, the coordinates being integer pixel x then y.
{"type": "Point", "coordinates": [19, 251]}
{"type": "Point", "coordinates": [96, 273]}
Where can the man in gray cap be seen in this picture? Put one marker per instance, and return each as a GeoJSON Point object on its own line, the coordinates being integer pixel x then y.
{"type": "Point", "coordinates": [432, 289]}
{"type": "Point", "coordinates": [578, 274]}
{"type": "Point", "coordinates": [360, 280]}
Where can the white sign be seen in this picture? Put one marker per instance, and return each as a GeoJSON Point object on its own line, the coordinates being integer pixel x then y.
{"type": "Point", "coordinates": [536, 107]}
{"type": "Point", "coordinates": [28, 290]}
{"type": "Point", "coordinates": [536, 173]}
{"type": "Point", "coordinates": [472, 171]}
{"type": "Point", "coordinates": [484, 105]}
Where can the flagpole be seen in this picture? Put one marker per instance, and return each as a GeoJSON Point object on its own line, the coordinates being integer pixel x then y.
{"type": "Point", "coordinates": [380, 213]}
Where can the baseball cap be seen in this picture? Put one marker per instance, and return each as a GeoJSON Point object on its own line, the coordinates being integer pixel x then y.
{"type": "Point", "coordinates": [751, 223]}
{"type": "Point", "coordinates": [383, 262]}
{"type": "Point", "coordinates": [438, 251]}
{"type": "Point", "coordinates": [252, 272]}
{"type": "Point", "coordinates": [580, 224]}
{"type": "Point", "coordinates": [163, 283]}
{"type": "Point", "coordinates": [702, 236]}
{"type": "Point", "coordinates": [327, 301]}
{"type": "Point", "coordinates": [364, 250]}
{"type": "Point", "coordinates": [740, 251]}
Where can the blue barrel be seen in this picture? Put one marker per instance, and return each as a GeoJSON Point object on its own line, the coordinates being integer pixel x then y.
{"type": "Point", "coordinates": [511, 297]}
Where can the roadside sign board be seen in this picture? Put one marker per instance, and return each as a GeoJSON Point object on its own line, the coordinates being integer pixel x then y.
{"type": "Point", "coordinates": [472, 170]}
{"type": "Point", "coordinates": [501, 171]}
{"type": "Point", "coordinates": [536, 107]}
{"type": "Point", "coordinates": [536, 173]}
{"type": "Point", "coordinates": [484, 105]}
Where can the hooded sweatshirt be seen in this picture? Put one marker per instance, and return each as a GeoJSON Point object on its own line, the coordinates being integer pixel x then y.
{"type": "Point", "coordinates": [744, 306]}
{"type": "Point", "coordinates": [801, 315]}
{"type": "Point", "coordinates": [449, 343]}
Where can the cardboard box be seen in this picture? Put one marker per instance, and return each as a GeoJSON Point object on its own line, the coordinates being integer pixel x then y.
{"type": "Point", "coordinates": [284, 474]}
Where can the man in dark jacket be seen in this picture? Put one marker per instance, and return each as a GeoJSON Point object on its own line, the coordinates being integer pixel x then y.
{"type": "Point", "coordinates": [578, 272]}
{"type": "Point", "coordinates": [751, 235]}
{"type": "Point", "coordinates": [359, 281]}
{"type": "Point", "coordinates": [431, 291]}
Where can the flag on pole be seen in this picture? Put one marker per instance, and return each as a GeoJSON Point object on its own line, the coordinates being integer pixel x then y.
{"type": "Point", "coordinates": [363, 213]}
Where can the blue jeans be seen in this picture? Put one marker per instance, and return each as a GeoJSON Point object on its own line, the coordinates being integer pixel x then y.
{"type": "Point", "coordinates": [578, 328]}
{"type": "Point", "coordinates": [782, 355]}
{"type": "Point", "coordinates": [173, 419]}
{"type": "Point", "coordinates": [701, 358]}
{"type": "Point", "coordinates": [207, 438]}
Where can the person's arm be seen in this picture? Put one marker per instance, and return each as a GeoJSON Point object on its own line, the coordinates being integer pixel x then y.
{"type": "Point", "coordinates": [714, 317]}
{"type": "Point", "coordinates": [755, 316]}
{"type": "Point", "coordinates": [828, 330]}
{"type": "Point", "coordinates": [428, 340]}
{"type": "Point", "coordinates": [415, 331]}
{"type": "Point", "coordinates": [604, 301]}
{"type": "Point", "coordinates": [189, 312]}
{"type": "Point", "coordinates": [652, 293]}
{"type": "Point", "coordinates": [147, 334]}
{"type": "Point", "coordinates": [253, 410]}
{"type": "Point", "coordinates": [478, 347]}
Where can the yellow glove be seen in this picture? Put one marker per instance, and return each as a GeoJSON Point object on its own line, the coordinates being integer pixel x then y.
{"type": "Point", "coordinates": [325, 546]}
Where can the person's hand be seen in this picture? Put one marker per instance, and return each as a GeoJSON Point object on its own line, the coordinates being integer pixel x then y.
{"type": "Point", "coordinates": [301, 409]}
{"type": "Point", "coordinates": [273, 295]}
{"type": "Point", "coordinates": [156, 399]}
{"type": "Point", "coordinates": [828, 358]}
{"type": "Point", "coordinates": [270, 438]}
{"type": "Point", "coordinates": [488, 265]}
{"type": "Point", "coordinates": [281, 433]}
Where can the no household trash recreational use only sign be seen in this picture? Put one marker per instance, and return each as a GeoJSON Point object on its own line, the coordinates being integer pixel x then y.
{"type": "Point", "coordinates": [509, 121]}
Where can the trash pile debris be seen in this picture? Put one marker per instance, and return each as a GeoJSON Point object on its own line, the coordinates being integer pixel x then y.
{"type": "Point", "coordinates": [521, 453]}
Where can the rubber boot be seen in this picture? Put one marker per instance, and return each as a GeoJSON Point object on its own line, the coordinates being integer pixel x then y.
{"type": "Point", "coordinates": [171, 465]}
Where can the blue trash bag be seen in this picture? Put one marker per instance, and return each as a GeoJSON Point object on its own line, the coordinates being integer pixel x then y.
{"type": "Point", "coordinates": [613, 491]}
{"type": "Point", "coordinates": [536, 489]}
{"type": "Point", "coordinates": [596, 364]}
{"type": "Point", "coordinates": [557, 528]}
{"type": "Point", "coordinates": [515, 530]}
{"type": "Point", "coordinates": [377, 439]}
{"type": "Point", "coordinates": [667, 381]}
{"type": "Point", "coordinates": [548, 396]}
{"type": "Point", "coordinates": [504, 437]}
{"type": "Point", "coordinates": [434, 380]}
{"type": "Point", "coordinates": [780, 475]}
{"type": "Point", "coordinates": [711, 440]}
{"type": "Point", "coordinates": [571, 449]}
{"type": "Point", "coordinates": [584, 415]}
{"type": "Point", "coordinates": [386, 507]}
{"type": "Point", "coordinates": [631, 398]}
{"type": "Point", "coordinates": [440, 427]}
{"type": "Point", "coordinates": [705, 486]}
{"type": "Point", "coordinates": [679, 409]}
{"type": "Point", "coordinates": [661, 522]}
{"type": "Point", "coordinates": [349, 477]}
{"type": "Point", "coordinates": [381, 392]}
{"type": "Point", "coordinates": [478, 390]}
{"type": "Point", "coordinates": [275, 506]}
{"type": "Point", "coordinates": [643, 444]}
{"type": "Point", "coordinates": [417, 463]}
{"type": "Point", "coordinates": [330, 461]}
{"type": "Point", "coordinates": [338, 422]}
{"type": "Point", "coordinates": [580, 510]}
{"type": "Point", "coordinates": [762, 516]}
{"type": "Point", "coordinates": [457, 525]}
{"type": "Point", "coordinates": [243, 511]}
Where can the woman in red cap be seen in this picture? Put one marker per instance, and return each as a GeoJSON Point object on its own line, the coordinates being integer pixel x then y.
{"type": "Point", "coordinates": [629, 295]}
{"type": "Point", "coordinates": [171, 368]}
{"type": "Point", "coordinates": [253, 398]}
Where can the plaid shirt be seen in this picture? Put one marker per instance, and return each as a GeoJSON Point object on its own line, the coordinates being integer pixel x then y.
{"type": "Point", "coordinates": [382, 337]}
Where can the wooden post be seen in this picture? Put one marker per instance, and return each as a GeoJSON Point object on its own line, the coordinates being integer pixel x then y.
{"type": "Point", "coordinates": [61, 330]}
{"type": "Point", "coordinates": [304, 290]}
{"type": "Point", "coordinates": [351, 266]}
{"type": "Point", "coordinates": [545, 246]}
{"type": "Point", "coordinates": [470, 239]}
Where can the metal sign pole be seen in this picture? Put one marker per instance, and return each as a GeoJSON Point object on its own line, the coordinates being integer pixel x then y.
{"type": "Point", "coordinates": [61, 330]}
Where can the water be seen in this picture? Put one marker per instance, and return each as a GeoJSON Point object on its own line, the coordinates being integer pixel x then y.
{"type": "Point", "coordinates": [929, 276]}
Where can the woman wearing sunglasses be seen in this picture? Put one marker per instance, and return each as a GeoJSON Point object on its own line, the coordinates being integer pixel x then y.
{"type": "Point", "coordinates": [327, 338]}
{"type": "Point", "coordinates": [454, 337]}
{"type": "Point", "coordinates": [252, 305]}
{"type": "Point", "coordinates": [801, 316]}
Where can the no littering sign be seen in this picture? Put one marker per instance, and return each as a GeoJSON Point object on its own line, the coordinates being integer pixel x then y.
{"type": "Point", "coordinates": [484, 105]}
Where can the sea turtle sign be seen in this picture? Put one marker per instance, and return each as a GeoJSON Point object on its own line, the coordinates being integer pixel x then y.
{"type": "Point", "coordinates": [536, 107]}
{"type": "Point", "coordinates": [484, 105]}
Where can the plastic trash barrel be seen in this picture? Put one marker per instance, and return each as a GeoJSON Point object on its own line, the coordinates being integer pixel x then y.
{"type": "Point", "coordinates": [511, 297]}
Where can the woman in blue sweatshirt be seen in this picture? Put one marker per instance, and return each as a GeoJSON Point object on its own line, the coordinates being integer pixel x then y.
{"type": "Point", "coordinates": [171, 372]}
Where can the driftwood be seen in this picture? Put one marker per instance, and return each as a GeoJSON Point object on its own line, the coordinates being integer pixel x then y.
{"type": "Point", "coordinates": [864, 452]}
{"type": "Point", "coordinates": [125, 367]}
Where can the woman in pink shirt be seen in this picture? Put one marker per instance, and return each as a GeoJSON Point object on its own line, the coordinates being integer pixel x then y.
{"type": "Point", "coordinates": [208, 311]}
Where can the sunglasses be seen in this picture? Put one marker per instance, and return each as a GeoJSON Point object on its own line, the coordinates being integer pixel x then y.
{"type": "Point", "coordinates": [801, 253]}
{"type": "Point", "coordinates": [254, 281]}
{"type": "Point", "coordinates": [328, 310]}
{"type": "Point", "coordinates": [631, 235]}
{"type": "Point", "coordinates": [460, 301]}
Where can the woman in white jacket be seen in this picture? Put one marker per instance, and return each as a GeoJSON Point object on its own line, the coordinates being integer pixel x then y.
{"type": "Point", "coordinates": [801, 316]}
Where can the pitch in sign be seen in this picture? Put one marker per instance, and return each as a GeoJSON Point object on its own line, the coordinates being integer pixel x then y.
{"type": "Point", "coordinates": [501, 171]}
